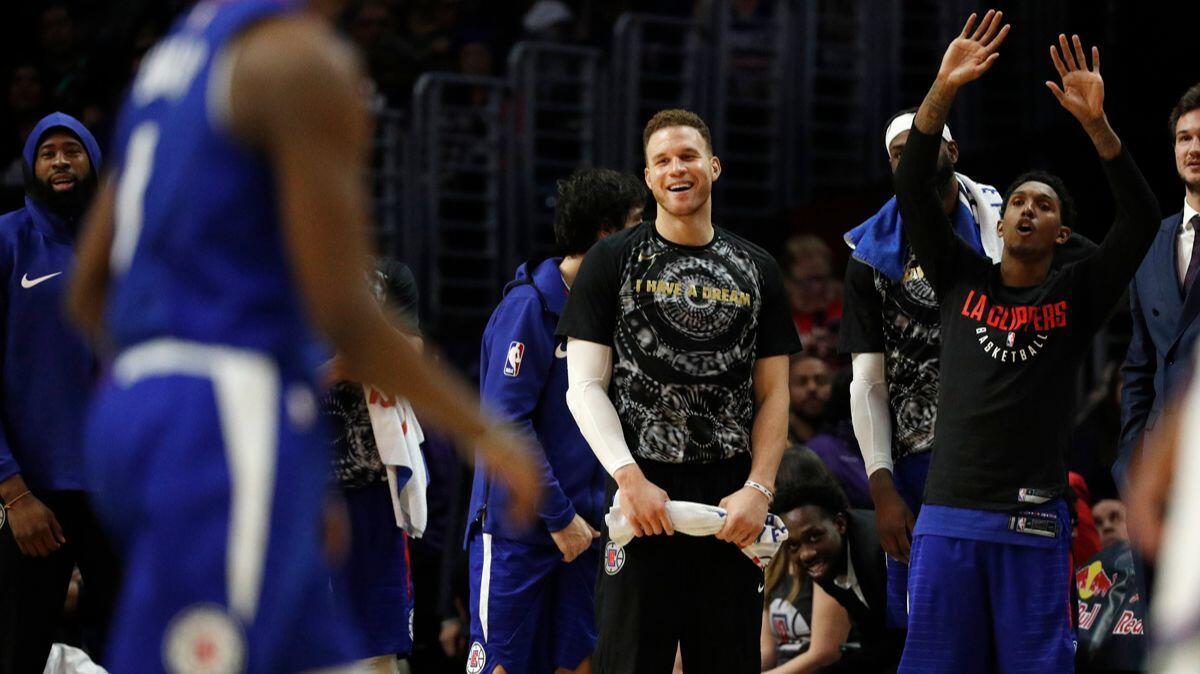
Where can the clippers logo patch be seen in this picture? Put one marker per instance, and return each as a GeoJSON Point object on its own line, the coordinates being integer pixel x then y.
{"type": "Point", "coordinates": [512, 362]}
{"type": "Point", "coordinates": [476, 658]}
{"type": "Point", "coordinates": [204, 639]}
{"type": "Point", "coordinates": [614, 558]}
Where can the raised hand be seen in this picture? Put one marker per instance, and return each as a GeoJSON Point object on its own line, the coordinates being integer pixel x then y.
{"type": "Point", "coordinates": [1082, 90]}
{"type": "Point", "coordinates": [973, 52]}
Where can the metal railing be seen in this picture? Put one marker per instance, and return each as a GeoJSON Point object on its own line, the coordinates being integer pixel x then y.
{"type": "Point", "coordinates": [460, 130]}
{"type": "Point", "coordinates": [556, 91]}
{"type": "Point", "coordinates": [658, 62]}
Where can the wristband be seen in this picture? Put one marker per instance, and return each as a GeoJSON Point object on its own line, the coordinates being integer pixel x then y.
{"type": "Point", "coordinates": [761, 489]}
{"type": "Point", "coordinates": [9, 504]}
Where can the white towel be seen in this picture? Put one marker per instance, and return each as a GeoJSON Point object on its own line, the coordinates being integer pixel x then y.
{"type": "Point", "coordinates": [984, 202]}
{"type": "Point", "coordinates": [699, 519]}
{"type": "Point", "coordinates": [66, 659]}
{"type": "Point", "coordinates": [398, 436]}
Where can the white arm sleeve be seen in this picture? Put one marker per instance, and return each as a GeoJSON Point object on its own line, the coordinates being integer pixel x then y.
{"type": "Point", "coordinates": [869, 411]}
{"type": "Point", "coordinates": [589, 368]}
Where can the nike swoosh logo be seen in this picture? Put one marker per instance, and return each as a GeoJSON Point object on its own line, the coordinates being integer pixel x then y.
{"type": "Point", "coordinates": [27, 282]}
{"type": "Point", "coordinates": [560, 351]}
{"type": "Point", "coordinates": [760, 587]}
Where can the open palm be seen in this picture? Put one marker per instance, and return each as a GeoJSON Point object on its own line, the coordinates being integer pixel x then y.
{"type": "Point", "coordinates": [1082, 90]}
{"type": "Point", "coordinates": [973, 51]}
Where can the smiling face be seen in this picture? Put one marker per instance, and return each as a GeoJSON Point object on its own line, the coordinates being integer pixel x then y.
{"type": "Point", "coordinates": [680, 170]}
{"type": "Point", "coordinates": [1032, 222]}
{"type": "Point", "coordinates": [815, 541]}
{"type": "Point", "coordinates": [61, 163]}
{"type": "Point", "coordinates": [1187, 149]}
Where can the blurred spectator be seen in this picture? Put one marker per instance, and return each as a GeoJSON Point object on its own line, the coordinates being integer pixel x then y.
{"type": "Point", "coordinates": [374, 29]}
{"type": "Point", "coordinates": [820, 419]}
{"type": "Point", "coordinates": [368, 22]}
{"type": "Point", "coordinates": [1110, 521]}
{"type": "Point", "coordinates": [810, 385]}
{"type": "Point", "coordinates": [63, 60]}
{"type": "Point", "coordinates": [814, 294]}
{"type": "Point", "coordinates": [26, 105]}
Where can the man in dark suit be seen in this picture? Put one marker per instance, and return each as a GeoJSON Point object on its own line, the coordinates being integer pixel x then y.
{"type": "Point", "coordinates": [840, 549]}
{"type": "Point", "coordinates": [1163, 301]}
{"type": "Point", "coordinates": [1163, 304]}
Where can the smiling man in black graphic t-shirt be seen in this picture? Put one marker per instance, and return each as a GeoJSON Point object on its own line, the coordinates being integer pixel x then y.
{"type": "Point", "coordinates": [691, 325]}
{"type": "Point", "coordinates": [989, 581]}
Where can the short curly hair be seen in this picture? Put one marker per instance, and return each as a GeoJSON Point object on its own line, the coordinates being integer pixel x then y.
{"type": "Point", "coordinates": [803, 480]}
{"type": "Point", "coordinates": [590, 202]}
{"type": "Point", "coordinates": [1190, 100]}
{"type": "Point", "coordinates": [664, 119]}
{"type": "Point", "coordinates": [1066, 205]}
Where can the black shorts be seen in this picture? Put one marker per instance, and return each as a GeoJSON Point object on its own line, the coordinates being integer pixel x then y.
{"type": "Point", "coordinates": [700, 593]}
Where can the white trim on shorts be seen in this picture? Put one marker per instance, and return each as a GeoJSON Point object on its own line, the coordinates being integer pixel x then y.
{"type": "Point", "coordinates": [485, 584]}
{"type": "Point", "coordinates": [246, 388]}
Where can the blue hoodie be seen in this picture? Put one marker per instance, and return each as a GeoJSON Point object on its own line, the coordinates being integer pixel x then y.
{"type": "Point", "coordinates": [523, 379]}
{"type": "Point", "coordinates": [47, 369]}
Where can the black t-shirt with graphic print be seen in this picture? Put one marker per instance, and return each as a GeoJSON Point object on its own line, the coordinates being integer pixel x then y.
{"type": "Point", "coordinates": [686, 324]}
{"type": "Point", "coordinates": [356, 461]}
{"type": "Point", "coordinates": [1010, 356]}
{"type": "Point", "coordinates": [900, 319]}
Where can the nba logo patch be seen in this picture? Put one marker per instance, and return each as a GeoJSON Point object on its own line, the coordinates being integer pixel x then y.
{"type": "Point", "coordinates": [476, 658]}
{"type": "Point", "coordinates": [204, 639]}
{"type": "Point", "coordinates": [1012, 339]}
{"type": "Point", "coordinates": [614, 558]}
{"type": "Point", "coordinates": [512, 362]}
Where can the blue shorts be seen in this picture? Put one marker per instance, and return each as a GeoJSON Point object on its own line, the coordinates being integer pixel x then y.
{"type": "Point", "coordinates": [530, 612]}
{"type": "Point", "coordinates": [909, 475]}
{"type": "Point", "coordinates": [210, 469]}
{"type": "Point", "coordinates": [378, 581]}
{"type": "Point", "coordinates": [984, 597]}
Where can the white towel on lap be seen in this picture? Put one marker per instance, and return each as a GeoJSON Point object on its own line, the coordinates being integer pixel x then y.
{"type": "Point", "coordinates": [699, 519]}
{"type": "Point", "coordinates": [398, 436]}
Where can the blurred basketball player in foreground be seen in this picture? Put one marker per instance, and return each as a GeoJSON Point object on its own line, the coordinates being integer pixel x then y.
{"type": "Point", "coordinates": [230, 232]}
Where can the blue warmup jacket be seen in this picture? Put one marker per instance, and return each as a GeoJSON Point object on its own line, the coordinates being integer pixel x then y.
{"type": "Point", "coordinates": [523, 379]}
{"type": "Point", "coordinates": [47, 369]}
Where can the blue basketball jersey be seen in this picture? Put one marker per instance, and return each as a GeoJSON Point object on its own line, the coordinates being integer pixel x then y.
{"type": "Point", "coordinates": [198, 251]}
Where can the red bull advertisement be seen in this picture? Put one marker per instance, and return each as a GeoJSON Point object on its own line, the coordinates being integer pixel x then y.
{"type": "Point", "coordinates": [1111, 613]}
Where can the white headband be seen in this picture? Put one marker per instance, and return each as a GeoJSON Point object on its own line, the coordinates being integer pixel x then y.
{"type": "Point", "coordinates": [903, 123]}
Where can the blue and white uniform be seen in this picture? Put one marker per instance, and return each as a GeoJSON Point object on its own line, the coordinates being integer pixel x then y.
{"type": "Point", "coordinates": [530, 612]}
{"type": "Point", "coordinates": [205, 443]}
{"type": "Point", "coordinates": [47, 370]}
